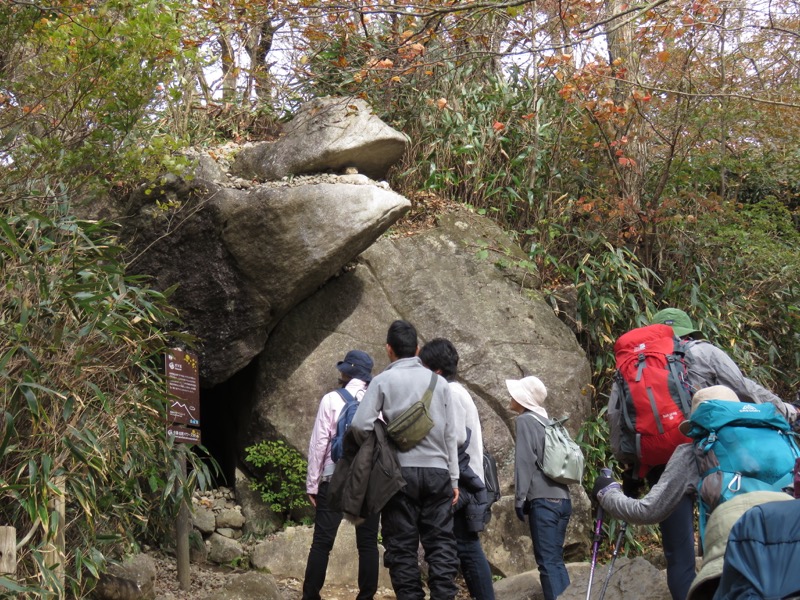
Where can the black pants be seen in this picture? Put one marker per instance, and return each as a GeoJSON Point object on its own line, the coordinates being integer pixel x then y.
{"type": "Point", "coordinates": [677, 540]}
{"type": "Point", "coordinates": [326, 525]}
{"type": "Point", "coordinates": [421, 512]}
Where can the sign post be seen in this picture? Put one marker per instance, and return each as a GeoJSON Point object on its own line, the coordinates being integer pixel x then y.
{"type": "Point", "coordinates": [183, 422]}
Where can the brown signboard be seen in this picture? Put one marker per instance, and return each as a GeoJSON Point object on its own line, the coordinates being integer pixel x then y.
{"type": "Point", "coordinates": [184, 435]}
{"type": "Point", "coordinates": [183, 385]}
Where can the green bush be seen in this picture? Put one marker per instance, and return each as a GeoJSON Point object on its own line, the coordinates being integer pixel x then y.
{"type": "Point", "coordinates": [82, 399]}
{"type": "Point", "coordinates": [282, 485]}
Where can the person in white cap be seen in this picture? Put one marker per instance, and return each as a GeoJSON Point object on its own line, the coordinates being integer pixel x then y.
{"type": "Point", "coordinates": [546, 503]}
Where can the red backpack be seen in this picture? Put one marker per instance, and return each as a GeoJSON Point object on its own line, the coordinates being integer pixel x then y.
{"type": "Point", "coordinates": [656, 398]}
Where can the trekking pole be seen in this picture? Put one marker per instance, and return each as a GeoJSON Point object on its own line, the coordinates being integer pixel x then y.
{"type": "Point", "coordinates": [598, 527]}
{"type": "Point", "coordinates": [617, 545]}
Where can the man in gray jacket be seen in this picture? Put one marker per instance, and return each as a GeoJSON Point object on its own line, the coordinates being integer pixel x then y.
{"type": "Point", "coordinates": [422, 510]}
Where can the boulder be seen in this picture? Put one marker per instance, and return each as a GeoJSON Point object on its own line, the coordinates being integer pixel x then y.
{"type": "Point", "coordinates": [223, 550]}
{"type": "Point", "coordinates": [630, 578]}
{"type": "Point", "coordinates": [248, 586]}
{"type": "Point", "coordinates": [230, 518]}
{"type": "Point", "coordinates": [203, 519]}
{"type": "Point", "coordinates": [240, 259]}
{"type": "Point", "coordinates": [133, 579]}
{"type": "Point", "coordinates": [442, 282]}
{"type": "Point", "coordinates": [284, 555]}
{"type": "Point", "coordinates": [326, 135]}
{"type": "Point", "coordinates": [259, 519]}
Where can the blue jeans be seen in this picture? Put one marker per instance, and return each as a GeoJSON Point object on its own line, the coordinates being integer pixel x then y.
{"type": "Point", "coordinates": [474, 566]}
{"type": "Point", "coordinates": [548, 521]}
{"type": "Point", "coordinates": [326, 526]}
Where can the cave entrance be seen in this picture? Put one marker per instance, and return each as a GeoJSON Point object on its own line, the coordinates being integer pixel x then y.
{"type": "Point", "coordinates": [223, 410]}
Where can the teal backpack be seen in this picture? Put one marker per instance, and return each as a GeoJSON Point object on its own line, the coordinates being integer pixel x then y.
{"type": "Point", "coordinates": [740, 447]}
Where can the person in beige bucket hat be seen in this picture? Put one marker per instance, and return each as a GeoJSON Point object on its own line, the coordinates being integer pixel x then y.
{"type": "Point", "coordinates": [529, 393]}
{"type": "Point", "coordinates": [715, 392]}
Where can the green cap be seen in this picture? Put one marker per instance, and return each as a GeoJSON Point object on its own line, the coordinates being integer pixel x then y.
{"type": "Point", "coordinates": [679, 321]}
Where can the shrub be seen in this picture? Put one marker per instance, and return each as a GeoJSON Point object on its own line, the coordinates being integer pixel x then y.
{"type": "Point", "coordinates": [282, 486]}
{"type": "Point", "coordinates": [82, 399]}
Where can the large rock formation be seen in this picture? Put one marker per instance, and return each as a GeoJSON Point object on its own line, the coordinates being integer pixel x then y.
{"type": "Point", "coordinates": [278, 279]}
{"type": "Point", "coordinates": [442, 282]}
{"type": "Point", "coordinates": [243, 254]}
{"type": "Point", "coordinates": [327, 134]}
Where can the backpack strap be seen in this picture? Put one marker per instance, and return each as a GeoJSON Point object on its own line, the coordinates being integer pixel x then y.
{"type": "Point", "coordinates": [677, 366]}
{"type": "Point", "coordinates": [346, 396]}
{"type": "Point", "coordinates": [540, 451]}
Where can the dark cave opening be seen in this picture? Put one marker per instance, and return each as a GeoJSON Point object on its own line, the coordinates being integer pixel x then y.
{"type": "Point", "coordinates": [223, 409]}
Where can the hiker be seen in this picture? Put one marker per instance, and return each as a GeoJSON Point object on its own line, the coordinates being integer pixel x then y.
{"type": "Point", "coordinates": [545, 502]}
{"type": "Point", "coordinates": [677, 484]}
{"type": "Point", "coordinates": [710, 365]}
{"type": "Point", "coordinates": [470, 516]}
{"type": "Point", "coordinates": [421, 512]}
{"type": "Point", "coordinates": [355, 373]}
{"type": "Point", "coordinates": [707, 365]}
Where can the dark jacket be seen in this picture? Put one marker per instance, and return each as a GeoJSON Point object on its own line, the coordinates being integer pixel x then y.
{"type": "Point", "coordinates": [763, 554]}
{"type": "Point", "coordinates": [472, 499]}
{"type": "Point", "coordinates": [367, 475]}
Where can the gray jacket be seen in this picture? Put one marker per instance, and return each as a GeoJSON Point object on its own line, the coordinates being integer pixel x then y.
{"type": "Point", "coordinates": [679, 478]}
{"type": "Point", "coordinates": [392, 392]}
{"type": "Point", "coordinates": [530, 482]}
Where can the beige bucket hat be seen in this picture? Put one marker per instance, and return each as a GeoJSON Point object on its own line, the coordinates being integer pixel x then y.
{"type": "Point", "coordinates": [715, 392]}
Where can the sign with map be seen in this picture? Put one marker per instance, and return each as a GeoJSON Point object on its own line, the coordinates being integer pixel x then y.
{"type": "Point", "coordinates": [183, 385]}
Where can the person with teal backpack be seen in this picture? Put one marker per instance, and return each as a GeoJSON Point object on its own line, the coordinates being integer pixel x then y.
{"type": "Point", "coordinates": [736, 448]}
{"type": "Point", "coordinates": [740, 447]}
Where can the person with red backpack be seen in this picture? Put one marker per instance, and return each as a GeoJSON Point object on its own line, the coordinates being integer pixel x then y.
{"type": "Point", "coordinates": [355, 373]}
{"type": "Point", "coordinates": [658, 371]}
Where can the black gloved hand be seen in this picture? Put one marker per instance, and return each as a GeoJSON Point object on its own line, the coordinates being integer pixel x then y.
{"type": "Point", "coordinates": [603, 484]}
{"type": "Point", "coordinates": [520, 510]}
{"type": "Point", "coordinates": [631, 484]}
{"type": "Point", "coordinates": [526, 507]}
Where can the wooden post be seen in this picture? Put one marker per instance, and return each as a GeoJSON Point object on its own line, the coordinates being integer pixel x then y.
{"type": "Point", "coordinates": [55, 554]}
{"type": "Point", "coordinates": [182, 528]}
{"type": "Point", "coordinates": [8, 550]}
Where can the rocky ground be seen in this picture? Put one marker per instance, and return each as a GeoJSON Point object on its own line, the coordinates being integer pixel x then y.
{"type": "Point", "coordinates": [206, 579]}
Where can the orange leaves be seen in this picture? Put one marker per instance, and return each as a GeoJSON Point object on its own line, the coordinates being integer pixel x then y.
{"type": "Point", "coordinates": [615, 148]}
{"type": "Point", "coordinates": [441, 103]}
{"type": "Point", "coordinates": [383, 63]}
{"type": "Point", "coordinates": [498, 126]}
{"type": "Point", "coordinates": [411, 51]}
{"type": "Point", "coordinates": [555, 60]}
{"type": "Point", "coordinates": [567, 91]}
{"type": "Point", "coordinates": [663, 56]}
